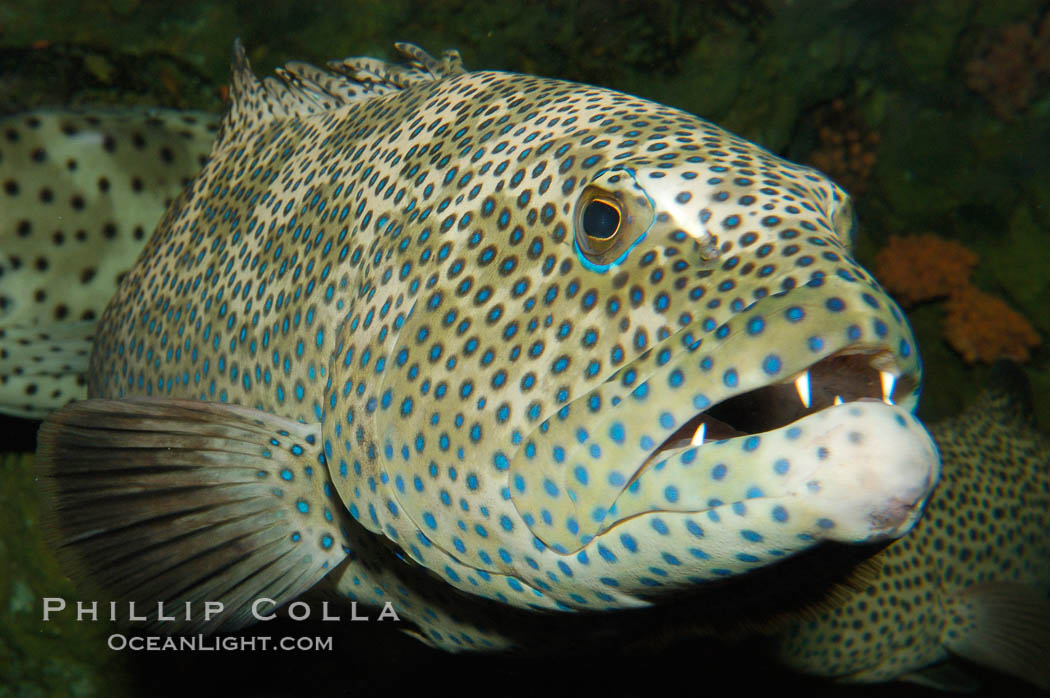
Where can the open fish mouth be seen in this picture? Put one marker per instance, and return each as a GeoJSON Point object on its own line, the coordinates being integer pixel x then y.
{"type": "Point", "coordinates": [851, 374]}
{"type": "Point", "coordinates": [788, 424]}
{"type": "Point", "coordinates": [834, 443]}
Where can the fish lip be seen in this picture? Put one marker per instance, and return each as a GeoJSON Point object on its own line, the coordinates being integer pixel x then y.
{"type": "Point", "coordinates": [897, 514]}
{"type": "Point", "coordinates": [863, 489]}
{"type": "Point", "coordinates": [859, 363]}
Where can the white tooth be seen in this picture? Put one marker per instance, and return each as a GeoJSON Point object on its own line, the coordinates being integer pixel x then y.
{"type": "Point", "coordinates": [837, 400]}
{"type": "Point", "coordinates": [802, 386]}
{"type": "Point", "coordinates": [698, 437]}
{"type": "Point", "coordinates": [889, 380]}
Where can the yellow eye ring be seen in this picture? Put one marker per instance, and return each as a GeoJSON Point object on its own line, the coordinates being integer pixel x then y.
{"type": "Point", "coordinates": [601, 220]}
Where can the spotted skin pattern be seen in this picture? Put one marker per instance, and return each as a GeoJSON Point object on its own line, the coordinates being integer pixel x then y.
{"type": "Point", "coordinates": [394, 252]}
{"type": "Point", "coordinates": [79, 194]}
{"type": "Point", "coordinates": [986, 523]}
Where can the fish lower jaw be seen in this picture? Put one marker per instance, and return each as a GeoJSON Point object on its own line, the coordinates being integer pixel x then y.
{"type": "Point", "coordinates": [866, 470]}
{"type": "Point", "coordinates": [851, 473]}
{"type": "Point", "coordinates": [853, 374]}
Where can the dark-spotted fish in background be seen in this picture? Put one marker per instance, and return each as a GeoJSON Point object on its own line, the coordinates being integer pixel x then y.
{"type": "Point", "coordinates": [80, 192]}
{"type": "Point", "coordinates": [470, 341]}
{"type": "Point", "coordinates": [972, 578]}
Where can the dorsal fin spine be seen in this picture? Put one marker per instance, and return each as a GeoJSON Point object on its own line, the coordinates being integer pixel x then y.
{"type": "Point", "coordinates": [300, 89]}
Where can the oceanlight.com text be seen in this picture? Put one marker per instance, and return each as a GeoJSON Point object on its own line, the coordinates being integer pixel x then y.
{"type": "Point", "coordinates": [230, 643]}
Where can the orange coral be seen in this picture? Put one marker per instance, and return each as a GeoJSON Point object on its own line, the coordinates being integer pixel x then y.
{"type": "Point", "coordinates": [979, 326]}
{"type": "Point", "coordinates": [923, 267]}
{"type": "Point", "coordinates": [982, 327]}
{"type": "Point", "coordinates": [846, 148]}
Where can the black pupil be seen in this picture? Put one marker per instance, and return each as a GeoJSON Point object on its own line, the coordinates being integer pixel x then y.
{"type": "Point", "coordinates": [600, 220]}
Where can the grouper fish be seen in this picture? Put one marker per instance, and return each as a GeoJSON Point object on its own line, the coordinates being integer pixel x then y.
{"type": "Point", "coordinates": [80, 192]}
{"type": "Point", "coordinates": [972, 579]}
{"type": "Point", "coordinates": [461, 341]}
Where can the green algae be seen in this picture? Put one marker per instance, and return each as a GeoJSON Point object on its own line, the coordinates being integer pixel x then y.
{"type": "Point", "coordinates": [60, 657]}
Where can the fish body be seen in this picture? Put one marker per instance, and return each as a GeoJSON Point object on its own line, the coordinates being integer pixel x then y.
{"type": "Point", "coordinates": [972, 579]}
{"type": "Point", "coordinates": [449, 338]}
{"type": "Point", "coordinates": [81, 192]}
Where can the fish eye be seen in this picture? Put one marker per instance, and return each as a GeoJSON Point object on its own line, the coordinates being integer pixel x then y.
{"type": "Point", "coordinates": [611, 217]}
{"type": "Point", "coordinates": [601, 220]}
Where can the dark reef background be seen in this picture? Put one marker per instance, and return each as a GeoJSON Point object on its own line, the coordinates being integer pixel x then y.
{"type": "Point", "coordinates": [935, 114]}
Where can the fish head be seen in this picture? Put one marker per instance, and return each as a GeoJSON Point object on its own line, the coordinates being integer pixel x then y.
{"type": "Point", "coordinates": [630, 352]}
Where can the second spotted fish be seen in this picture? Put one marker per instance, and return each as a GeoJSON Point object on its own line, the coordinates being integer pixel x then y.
{"type": "Point", "coordinates": [471, 343]}
{"type": "Point", "coordinates": [80, 191]}
{"type": "Point", "coordinates": [971, 580]}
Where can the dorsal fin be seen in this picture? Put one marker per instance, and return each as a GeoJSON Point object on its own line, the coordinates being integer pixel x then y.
{"type": "Point", "coordinates": [383, 76]}
{"type": "Point", "coordinates": [299, 89]}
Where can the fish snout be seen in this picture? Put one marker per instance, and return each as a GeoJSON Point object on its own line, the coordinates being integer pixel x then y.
{"type": "Point", "coordinates": [875, 466]}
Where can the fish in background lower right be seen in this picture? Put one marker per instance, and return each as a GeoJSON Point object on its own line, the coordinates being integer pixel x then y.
{"type": "Point", "coordinates": [971, 580]}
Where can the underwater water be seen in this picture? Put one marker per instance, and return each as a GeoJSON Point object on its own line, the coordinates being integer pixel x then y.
{"type": "Point", "coordinates": [934, 115]}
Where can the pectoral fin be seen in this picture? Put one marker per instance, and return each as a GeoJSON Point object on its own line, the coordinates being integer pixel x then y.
{"type": "Point", "coordinates": [942, 677]}
{"type": "Point", "coordinates": [1004, 626]}
{"type": "Point", "coordinates": [174, 501]}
